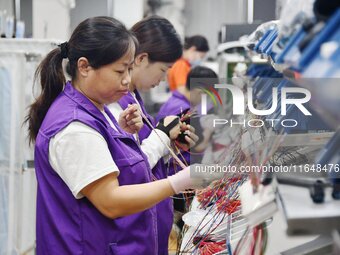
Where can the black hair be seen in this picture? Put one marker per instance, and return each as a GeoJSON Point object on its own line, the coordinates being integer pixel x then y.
{"type": "Point", "coordinates": [325, 9]}
{"type": "Point", "coordinates": [157, 37]}
{"type": "Point", "coordinates": [206, 76]}
{"type": "Point", "coordinates": [198, 41]}
{"type": "Point", "coordinates": [102, 40]}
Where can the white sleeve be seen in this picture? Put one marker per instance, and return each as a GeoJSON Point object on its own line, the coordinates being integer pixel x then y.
{"type": "Point", "coordinates": [80, 156]}
{"type": "Point", "coordinates": [115, 109]}
{"type": "Point", "coordinates": [153, 148]}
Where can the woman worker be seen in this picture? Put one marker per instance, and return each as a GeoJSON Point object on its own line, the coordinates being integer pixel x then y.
{"type": "Point", "coordinates": [159, 48]}
{"type": "Point", "coordinates": [95, 194]}
{"type": "Point", "coordinates": [185, 100]}
{"type": "Point", "coordinates": [189, 98]}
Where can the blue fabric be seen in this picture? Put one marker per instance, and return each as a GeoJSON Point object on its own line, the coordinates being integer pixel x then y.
{"type": "Point", "coordinates": [176, 104]}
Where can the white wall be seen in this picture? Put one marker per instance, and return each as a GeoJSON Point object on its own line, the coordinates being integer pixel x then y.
{"type": "Point", "coordinates": [7, 5]}
{"type": "Point", "coordinates": [86, 9]}
{"type": "Point", "coordinates": [51, 19]}
{"type": "Point", "coordinates": [206, 17]}
{"type": "Point", "coordinates": [128, 11]}
{"type": "Point", "coordinates": [173, 11]}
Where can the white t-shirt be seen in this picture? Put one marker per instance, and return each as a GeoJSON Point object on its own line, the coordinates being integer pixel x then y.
{"type": "Point", "coordinates": [80, 155]}
{"type": "Point", "coordinates": [116, 109]}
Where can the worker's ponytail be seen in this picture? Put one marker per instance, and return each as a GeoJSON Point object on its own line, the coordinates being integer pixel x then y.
{"type": "Point", "coordinates": [51, 77]}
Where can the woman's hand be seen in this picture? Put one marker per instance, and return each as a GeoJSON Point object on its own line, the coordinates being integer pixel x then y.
{"type": "Point", "coordinates": [130, 120]}
{"type": "Point", "coordinates": [170, 125]}
{"type": "Point", "coordinates": [196, 176]}
{"type": "Point", "coordinates": [190, 137]}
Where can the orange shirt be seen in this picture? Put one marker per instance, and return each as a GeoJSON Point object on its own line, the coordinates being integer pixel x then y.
{"type": "Point", "coordinates": [177, 75]}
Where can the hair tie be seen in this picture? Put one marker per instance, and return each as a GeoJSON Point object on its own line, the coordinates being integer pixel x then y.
{"type": "Point", "coordinates": [64, 49]}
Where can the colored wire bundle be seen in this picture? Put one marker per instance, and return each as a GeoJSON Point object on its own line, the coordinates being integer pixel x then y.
{"type": "Point", "coordinates": [210, 248]}
{"type": "Point", "coordinates": [221, 199]}
{"type": "Point", "coordinates": [206, 228]}
{"type": "Point", "coordinates": [228, 207]}
{"type": "Point", "coordinates": [254, 241]}
{"type": "Point", "coordinates": [218, 196]}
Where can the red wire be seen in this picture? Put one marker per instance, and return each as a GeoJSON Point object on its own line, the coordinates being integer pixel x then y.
{"type": "Point", "coordinates": [253, 241]}
{"type": "Point", "coordinates": [210, 248]}
{"type": "Point", "coordinates": [186, 149]}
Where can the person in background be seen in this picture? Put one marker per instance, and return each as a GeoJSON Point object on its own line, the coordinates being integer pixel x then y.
{"type": "Point", "coordinates": [189, 98]}
{"type": "Point", "coordinates": [183, 101]}
{"type": "Point", "coordinates": [95, 191]}
{"type": "Point", "coordinates": [159, 47]}
{"type": "Point", "coordinates": [195, 49]}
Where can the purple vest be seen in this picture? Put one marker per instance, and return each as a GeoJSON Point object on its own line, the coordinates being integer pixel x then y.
{"type": "Point", "coordinates": [175, 104]}
{"type": "Point", "coordinates": [66, 225]}
{"type": "Point", "coordinates": [164, 208]}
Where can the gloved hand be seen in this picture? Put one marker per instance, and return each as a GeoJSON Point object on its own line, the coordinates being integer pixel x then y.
{"type": "Point", "coordinates": [187, 137]}
{"type": "Point", "coordinates": [193, 177]}
{"type": "Point", "coordinates": [170, 125]}
{"type": "Point", "coordinates": [130, 120]}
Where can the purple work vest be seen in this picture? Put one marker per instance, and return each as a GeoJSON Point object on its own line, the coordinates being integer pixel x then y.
{"type": "Point", "coordinates": [66, 225]}
{"type": "Point", "coordinates": [164, 208]}
{"type": "Point", "coordinates": [176, 104]}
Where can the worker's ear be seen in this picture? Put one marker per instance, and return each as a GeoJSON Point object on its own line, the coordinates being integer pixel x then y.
{"type": "Point", "coordinates": [83, 66]}
{"type": "Point", "coordinates": [142, 58]}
